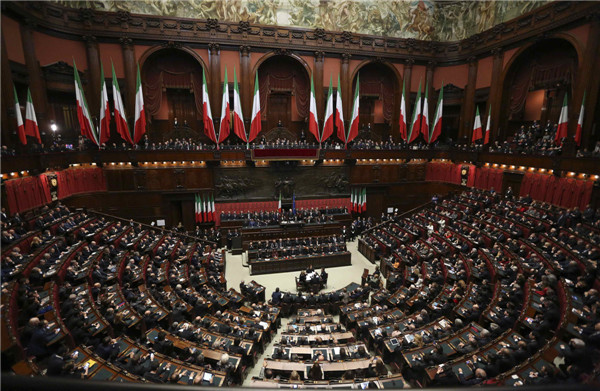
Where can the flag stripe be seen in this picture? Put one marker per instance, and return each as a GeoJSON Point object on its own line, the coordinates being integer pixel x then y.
{"type": "Point", "coordinates": [255, 125]}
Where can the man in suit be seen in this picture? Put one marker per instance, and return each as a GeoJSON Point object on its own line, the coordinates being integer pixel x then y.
{"type": "Point", "coordinates": [40, 337]}
{"type": "Point", "coordinates": [276, 297]}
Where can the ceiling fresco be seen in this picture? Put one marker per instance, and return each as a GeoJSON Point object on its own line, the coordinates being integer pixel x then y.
{"type": "Point", "coordinates": [418, 19]}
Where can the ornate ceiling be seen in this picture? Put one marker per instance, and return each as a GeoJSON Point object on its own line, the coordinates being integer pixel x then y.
{"type": "Point", "coordinates": [418, 19]}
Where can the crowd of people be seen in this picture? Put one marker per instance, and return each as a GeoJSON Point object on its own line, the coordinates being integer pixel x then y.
{"type": "Point", "coordinates": [296, 247]}
{"type": "Point", "coordinates": [270, 218]}
{"type": "Point", "coordinates": [533, 139]}
{"type": "Point", "coordinates": [88, 257]}
{"type": "Point", "coordinates": [454, 250]}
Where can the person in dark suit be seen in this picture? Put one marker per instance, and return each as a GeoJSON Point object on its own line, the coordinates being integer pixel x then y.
{"type": "Point", "coordinates": [56, 362]}
{"type": "Point", "coordinates": [40, 337]}
{"type": "Point", "coordinates": [109, 349]}
{"type": "Point", "coordinates": [157, 374]}
{"type": "Point", "coordinates": [276, 297]}
{"type": "Point", "coordinates": [315, 372]}
{"type": "Point", "coordinates": [163, 345]}
{"type": "Point", "coordinates": [444, 377]}
{"type": "Point", "coordinates": [480, 376]}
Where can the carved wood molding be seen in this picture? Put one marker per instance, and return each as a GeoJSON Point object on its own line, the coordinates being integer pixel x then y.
{"type": "Point", "coordinates": [110, 26]}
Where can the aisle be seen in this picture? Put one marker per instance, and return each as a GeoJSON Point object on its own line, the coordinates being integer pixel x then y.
{"type": "Point", "coordinates": [339, 277]}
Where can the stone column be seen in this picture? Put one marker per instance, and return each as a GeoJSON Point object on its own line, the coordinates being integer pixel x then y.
{"type": "Point", "coordinates": [9, 124]}
{"type": "Point", "coordinates": [318, 80]}
{"type": "Point", "coordinates": [468, 114]}
{"type": "Point", "coordinates": [408, 64]}
{"type": "Point", "coordinates": [246, 81]}
{"type": "Point", "coordinates": [37, 83]}
{"type": "Point", "coordinates": [495, 99]}
{"type": "Point", "coordinates": [429, 85]}
{"type": "Point", "coordinates": [214, 60]}
{"type": "Point", "coordinates": [346, 84]}
{"type": "Point", "coordinates": [129, 65]}
{"type": "Point", "coordinates": [93, 72]}
{"type": "Point", "coordinates": [588, 81]}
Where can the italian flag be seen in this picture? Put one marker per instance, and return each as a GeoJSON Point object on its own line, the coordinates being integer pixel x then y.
{"type": "Point", "coordinates": [363, 203]}
{"type": "Point", "coordinates": [488, 127]}
{"type": "Point", "coordinates": [580, 122]}
{"type": "Point", "coordinates": [313, 124]}
{"type": "Point", "coordinates": [209, 126]}
{"type": "Point", "coordinates": [197, 208]}
{"type": "Point", "coordinates": [238, 117]}
{"type": "Point", "coordinates": [225, 118]}
{"type": "Point", "coordinates": [204, 209]}
{"type": "Point", "coordinates": [476, 127]}
{"type": "Point", "coordinates": [209, 214]}
{"type": "Point", "coordinates": [20, 125]}
{"type": "Point", "coordinates": [212, 207]}
{"type": "Point", "coordinates": [139, 127]}
{"type": "Point", "coordinates": [339, 113]}
{"type": "Point", "coordinates": [120, 117]}
{"type": "Point", "coordinates": [353, 200]}
{"type": "Point", "coordinates": [436, 131]}
{"type": "Point", "coordinates": [561, 131]}
{"type": "Point", "coordinates": [415, 126]}
{"type": "Point", "coordinates": [353, 131]}
{"type": "Point", "coordinates": [425, 115]}
{"type": "Point", "coordinates": [83, 114]}
{"type": "Point", "coordinates": [328, 125]}
{"type": "Point", "coordinates": [255, 125]}
{"type": "Point", "coordinates": [31, 125]}
{"type": "Point", "coordinates": [104, 109]}
{"type": "Point", "coordinates": [403, 113]}
{"type": "Point", "coordinates": [279, 203]}
{"type": "Point", "coordinates": [200, 209]}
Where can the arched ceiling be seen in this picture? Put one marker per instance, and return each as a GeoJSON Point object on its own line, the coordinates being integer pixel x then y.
{"type": "Point", "coordinates": [418, 19]}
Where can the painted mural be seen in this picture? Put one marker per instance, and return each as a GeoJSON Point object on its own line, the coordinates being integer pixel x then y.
{"type": "Point", "coordinates": [419, 19]}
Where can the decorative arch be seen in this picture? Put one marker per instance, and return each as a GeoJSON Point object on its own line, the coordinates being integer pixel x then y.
{"type": "Point", "coordinates": [268, 55]}
{"type": "Point", "coordinates": [292, 80]}
{"type": "Point", "coordinates": [390, 98]}
{"type": "Point", "coordinates": [516, 61]}
{"type": "Point", "coordinates": [181, 75]}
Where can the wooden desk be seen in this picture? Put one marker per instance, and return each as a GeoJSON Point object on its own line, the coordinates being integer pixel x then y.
{"type": "Point", "coordinates": [289, 231]}
{"type": "Point", "coordinates": [335, 337]}
{"type": "Point", "coordinates": [300, 263]}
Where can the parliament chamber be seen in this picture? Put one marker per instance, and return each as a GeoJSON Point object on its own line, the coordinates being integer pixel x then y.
{"type": "Point", "coordinates": [299, 194]}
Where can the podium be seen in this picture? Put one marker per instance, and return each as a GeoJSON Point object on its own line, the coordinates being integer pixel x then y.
{"type": "Point", "coordinates": [236, 245]}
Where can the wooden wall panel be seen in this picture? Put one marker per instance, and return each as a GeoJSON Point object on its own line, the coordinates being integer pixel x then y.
{"type": "Point", "coordinates": [387, 173]}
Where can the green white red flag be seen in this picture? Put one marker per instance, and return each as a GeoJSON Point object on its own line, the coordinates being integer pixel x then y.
{"type": "Point", "coordinates": [104, 128]}
{"type": "Point", "coordinates": [476, 127]}
{"type": "Point", "coordinates": [563, 120]}
{"type": "Point", "coordinates": [225, 117]}
{"type": "Point", "coordinates": [120, 117]}
{"type": "Point", "coordinates": [353, 130]}
{"type": "Point", "coordinates": [31, 124]}
{"type": "Point", "coordinates": [238, 117]}
{"type": "Point", "coordinates": [415, 126]}
{"type": "Point", "coordinates": [83, 113]}
{"type": "Point", "coordinates": [255, 125]}
{"type": "Point", "coordinates": [313, 122]}
{"type": "Point", "coordinates": [436, 130]}
{"type": "Point", "coordinates": [20, 124]}
{"type": "Point", "coordinates": [139, 127]}
{"type": "Point", "coordinates": [403, 113]}
{"type": "Point", "coordinates": [209, 125]}
{"type": "Point", "coordinates": [580, 122]}
{"type": "Point", "coordinates": [328, 123]}
{"type": "Point", "coordinates": [339, 113]}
